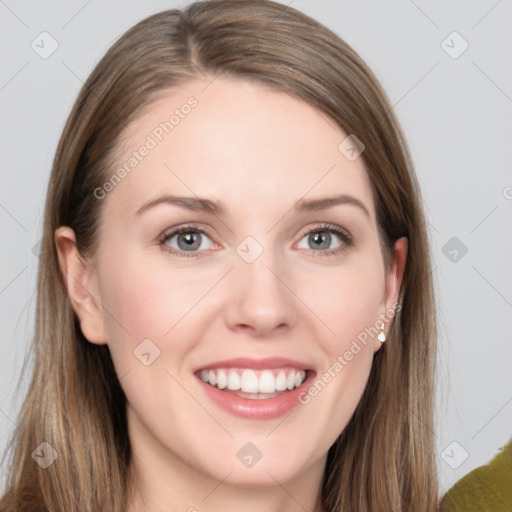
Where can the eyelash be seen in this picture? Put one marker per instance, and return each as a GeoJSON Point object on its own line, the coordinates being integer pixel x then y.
{"type": "Point", "coordinates": [345, 237]}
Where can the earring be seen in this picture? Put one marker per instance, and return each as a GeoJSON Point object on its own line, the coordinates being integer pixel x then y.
{"type": "Point", "coordinates": [382, 337]}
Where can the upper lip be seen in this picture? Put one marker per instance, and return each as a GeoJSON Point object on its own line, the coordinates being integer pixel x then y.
{"type": "Point", "coordinates": [256, 364]}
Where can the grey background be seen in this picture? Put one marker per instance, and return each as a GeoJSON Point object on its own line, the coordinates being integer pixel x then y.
{"type": "Point", "coordinates": [456, 115]}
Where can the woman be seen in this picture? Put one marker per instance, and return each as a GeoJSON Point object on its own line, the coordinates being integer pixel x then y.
{"type": "Point", "coordinates": [235, 306]}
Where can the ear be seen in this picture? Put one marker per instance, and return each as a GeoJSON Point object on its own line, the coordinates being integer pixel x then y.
{"type": "Point", "coordinates": [393, 282]}
{"type": "Point", "coordinates": [395, 272]}
{"type": "Point", "coordinates": [81, 283]}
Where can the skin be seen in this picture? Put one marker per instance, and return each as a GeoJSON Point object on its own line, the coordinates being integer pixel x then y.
{"type": "Point", "coordinates": [259, 151]}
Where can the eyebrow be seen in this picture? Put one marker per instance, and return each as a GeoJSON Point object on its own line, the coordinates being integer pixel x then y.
{"type": "Point", "coordinates": [218, 208]}
{"type": "Point", "coordinates": [313, 205]}
{"type": "Point", "coordinates": [199, 204]}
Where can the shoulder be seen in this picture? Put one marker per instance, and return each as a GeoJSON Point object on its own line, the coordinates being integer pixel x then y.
{"type": "Point", "coordinates": [488, 487]}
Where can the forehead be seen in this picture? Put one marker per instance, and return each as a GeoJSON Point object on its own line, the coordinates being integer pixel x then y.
{"type": "Point", "coordinates": [236, 140]}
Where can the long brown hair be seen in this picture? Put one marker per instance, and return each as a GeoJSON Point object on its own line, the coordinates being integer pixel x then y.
{"type": "Point", "coordinates": [384, 458]}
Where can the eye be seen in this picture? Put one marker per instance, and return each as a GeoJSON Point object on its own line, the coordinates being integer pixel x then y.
{"type": "Point", "coordinates": [326, 239]}
{"type": "Point", "coordinates": [186, 239]}
{"type": "Point", "coordinates": [190, 241]}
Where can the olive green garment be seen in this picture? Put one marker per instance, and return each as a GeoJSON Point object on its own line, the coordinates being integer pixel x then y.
{"type": "Point", "coordinates": [486, 488]}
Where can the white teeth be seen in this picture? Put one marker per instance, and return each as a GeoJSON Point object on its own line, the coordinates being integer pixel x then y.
{"type": "Point", "coordinates": [280, 381]}
{"type": "Point", "coordinates": [222, 379]}
{"type": "Point", "coordinates": [251, 381]}
{"type": "Point", "coordinates": [233, 381]}
{"type": "Point", "coordinates": [266, 382]}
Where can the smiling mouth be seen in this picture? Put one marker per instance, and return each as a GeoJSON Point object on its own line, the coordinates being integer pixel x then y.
{"type": "Point", "coordinates": [254, 384]}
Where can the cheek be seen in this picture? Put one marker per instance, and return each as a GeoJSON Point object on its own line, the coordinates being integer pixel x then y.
{"type": "Point", "coordinates": [347, 299]}
{"type": "Point", "coordinates": [146, 300]}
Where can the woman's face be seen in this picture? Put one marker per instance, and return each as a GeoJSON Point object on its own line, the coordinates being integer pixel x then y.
{"type": "Point", "coordinates": [261, 271]}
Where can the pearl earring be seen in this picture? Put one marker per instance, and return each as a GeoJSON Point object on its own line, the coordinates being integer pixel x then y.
{"type": "Point", "coordinates": [382, 337]}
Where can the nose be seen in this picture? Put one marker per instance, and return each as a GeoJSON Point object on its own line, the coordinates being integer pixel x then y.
{"type": "Point", "coordinates": [259, 299]}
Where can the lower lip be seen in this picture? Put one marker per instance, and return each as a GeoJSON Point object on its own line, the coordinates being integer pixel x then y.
{"type": "Point", "coordinates": [257, 409]}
